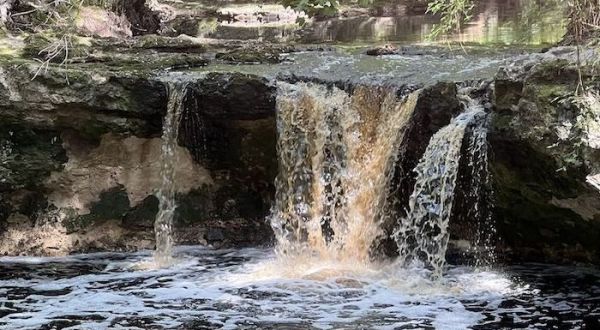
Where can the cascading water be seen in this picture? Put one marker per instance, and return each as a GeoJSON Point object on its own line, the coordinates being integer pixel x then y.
{"type": "Point", "coordinates": [423, 235]}
{"type": "Point", "coordinates": [337, 152]}
{"type": "Point", "coordinates": [163, 225]}
{"type": "Point", "coordinates": [478, 194]}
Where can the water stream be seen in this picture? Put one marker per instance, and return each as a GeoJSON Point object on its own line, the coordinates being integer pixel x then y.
{"type": "Point", "coordinates": [163, 225]}
{"type": "Point", "coordinates": [337, 149]}
{"type": "Point", "coordinates": [337, 152]}
{"type": "Point", "coordinates": [423, 235]}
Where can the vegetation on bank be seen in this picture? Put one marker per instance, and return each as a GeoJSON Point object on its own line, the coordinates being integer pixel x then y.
{"type": "Point", "coordinates": [584, 15]}
{"type": "Point", "coordinates": [56, 34]}
{"type": "Point", "coordinates": [60, 16]}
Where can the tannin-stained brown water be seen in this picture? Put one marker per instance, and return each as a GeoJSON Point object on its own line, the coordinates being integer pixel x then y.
{"type": "Point", "coordinates": [336, 156]}
{"type": "Point", "coordinates": [337, 153]}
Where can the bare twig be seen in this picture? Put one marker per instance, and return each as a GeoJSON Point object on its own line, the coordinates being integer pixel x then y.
{"type": "Point", "coordinates": [55, 49]}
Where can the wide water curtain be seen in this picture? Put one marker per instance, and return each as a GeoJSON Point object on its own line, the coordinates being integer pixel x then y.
{"type": "Point", "coordinates": [336, 156]}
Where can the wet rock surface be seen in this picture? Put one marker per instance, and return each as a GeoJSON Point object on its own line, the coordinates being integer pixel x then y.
{"type": "Point", "coordinates": [77, 161]}
{"type": "Point", "coordinates": [113, 92]}
{"type": "Point", "coordinates": [434, 109]}
{"type": "Point", "coordinates": [545, 206]}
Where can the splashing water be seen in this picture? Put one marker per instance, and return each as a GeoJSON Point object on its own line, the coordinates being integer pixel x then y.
{"type": "Point", "coordinates": [163, 225]}
{"type": "Point", "coordinates": [336, 152]}
{"type": "Point", "coordinates": [336, 155]}
{"type": "Point", "coordinates": [215, 289]}
{"type": "Point", "coordinates": [481, 202]}
{"type": "Point", "coordinates": [423, 235]}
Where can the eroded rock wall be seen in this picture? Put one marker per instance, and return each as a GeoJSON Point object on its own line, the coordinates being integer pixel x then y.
{"type": "Point", "coordinates": [81, 161]}
{"type": "Point", "coordinates": [544, 161]}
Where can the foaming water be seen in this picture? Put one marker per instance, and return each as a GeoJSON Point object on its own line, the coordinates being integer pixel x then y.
{"type": "Point", "coordinates": [336, 155]}
{"type": "Point", "coordinates": [250, 289]}
{"type": "Point", "coordinates": [163, 225]}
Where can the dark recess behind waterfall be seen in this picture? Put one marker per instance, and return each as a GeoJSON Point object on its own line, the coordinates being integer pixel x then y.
{"type": "Point", "coordinates": [213, 129]}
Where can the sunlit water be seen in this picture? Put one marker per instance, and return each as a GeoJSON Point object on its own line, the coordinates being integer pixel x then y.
{"type": "Point", "coordinates": [530, 22]}
{"type": "Point", "coordinates": [249, 289]}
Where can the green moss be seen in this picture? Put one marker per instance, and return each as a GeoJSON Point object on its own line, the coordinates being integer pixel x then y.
{"type": "Point", "coordinates": [546, 93]}
{"type": "Point", "coordinates": [9, 49]}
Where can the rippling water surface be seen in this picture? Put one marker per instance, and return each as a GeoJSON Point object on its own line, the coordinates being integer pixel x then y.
{"type": "Point", "coordinates": [250, 289]}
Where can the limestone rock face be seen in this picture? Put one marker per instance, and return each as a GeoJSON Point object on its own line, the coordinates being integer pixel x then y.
{"type": "Point", "coordinates": [91, 101]}
{"type": "Point", "coordinates": [80, 162]}
{"type": "Point", "coordinates": [80, 151]}
{"type": "Point", "coordinates": [545, 160]}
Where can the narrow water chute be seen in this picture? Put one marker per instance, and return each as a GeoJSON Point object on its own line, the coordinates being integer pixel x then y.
{"type": "Point", "coordinates": [163, 225]}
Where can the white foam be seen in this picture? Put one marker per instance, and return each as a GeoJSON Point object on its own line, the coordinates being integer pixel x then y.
{"type": "Point", "coordinates": [250, 286]}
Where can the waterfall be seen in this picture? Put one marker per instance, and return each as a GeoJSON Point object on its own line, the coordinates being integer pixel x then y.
{"type": "Point", "coordinates": [477, 194]}
{"type": "Point", "coordinates": [163, 225]}
{"type": "Point", "coordinates": [337, 152]}
{"type": "Point", "coordinates": [423, 235]}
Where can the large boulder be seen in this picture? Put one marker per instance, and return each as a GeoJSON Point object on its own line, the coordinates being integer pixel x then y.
{"type": "Point", "coordinates": [545, 159]}
{"type": "Point", "coordinates": [98, 22]}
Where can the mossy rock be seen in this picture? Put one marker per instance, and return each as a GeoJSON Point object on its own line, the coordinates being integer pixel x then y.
{"type": "Point", "coordinates": [168, 44]}
{"type": "Point", "coordinates": [42, 45]}
{"type": "Point", "coordinates": [250, 56]}
{"type": "Point", "coordinates": [539, 160]}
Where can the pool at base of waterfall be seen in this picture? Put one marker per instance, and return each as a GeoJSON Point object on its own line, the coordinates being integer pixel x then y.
{"type": "Point", "coordinates": [252, 289]}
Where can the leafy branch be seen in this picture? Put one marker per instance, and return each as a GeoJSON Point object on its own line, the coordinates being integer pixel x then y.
{"type": "Point", "coordinates": [453, 14]}
{"type": "Point", "coordinates": [321, 8]}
